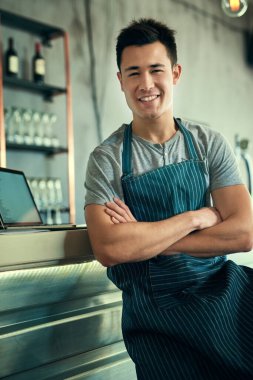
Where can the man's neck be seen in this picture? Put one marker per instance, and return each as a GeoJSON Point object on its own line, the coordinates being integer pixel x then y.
{"type": "Point", "coordinates": [156, 130]}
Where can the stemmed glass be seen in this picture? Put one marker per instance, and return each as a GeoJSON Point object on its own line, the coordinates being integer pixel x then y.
{"type": "Point", "coordinates": [7, 116]}
{"type": "Point", "coordinates": [26, 117]}
{"type": "Point", "coordinates": [37, 127]}
{"type": "Point", "coordinates": [15, 128]}
{"type": "Point", "coordinates": [54, 138]}
{"type": "Point", "coordinates": [45, 200]}
{"type": "Point", "coordinates": [58, 200]}
{"type": "Point", "coordinates": [45, 122]}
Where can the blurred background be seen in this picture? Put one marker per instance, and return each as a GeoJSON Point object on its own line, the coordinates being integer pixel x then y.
{"type": "Point", "coordinates": [216, 87]}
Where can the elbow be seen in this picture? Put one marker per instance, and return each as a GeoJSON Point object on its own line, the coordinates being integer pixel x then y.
{"type": "Point", "coordinates": [105, 261]}
{"type": "Point", "coordinates": [104, 257]}
{"type": "Point", "coordinates": [247, 242]}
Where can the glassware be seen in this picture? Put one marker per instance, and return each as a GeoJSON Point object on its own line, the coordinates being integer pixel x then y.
{"type": "Point", "coordinates": [7, 115]}
{"type": "Point", "coordinates": [54, 138]}
{"type": "Point", "coordinates": [38, 65]}
{"type": "Point", "coordinates": [59, 200]}
{"type": "Point", "coordinates": [45, 200]}
{"type": "Point", "coordinates": [16, 126]}
{"type": "Point", "coordinates": [11, 60]}
{"type": "Point", "coordinates": [45, 122]}
{"type": "Point", "coordinates": [34, 185]}
{"type": "Point", "coordinates": [37, 127]}
{"type": "Point", "coordinates": [26, 116]}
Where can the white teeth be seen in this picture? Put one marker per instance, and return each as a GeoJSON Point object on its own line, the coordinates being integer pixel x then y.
{"type": "Point", "coordinates": [148, 98]}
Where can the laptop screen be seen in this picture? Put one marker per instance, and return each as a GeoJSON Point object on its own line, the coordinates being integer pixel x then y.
{"type": "Point", "coordinates": [17, 206]}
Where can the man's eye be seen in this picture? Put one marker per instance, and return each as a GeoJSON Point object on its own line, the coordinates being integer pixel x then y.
{"type": "Point", "coordinates": [157, 71]}
{"type": "Point", "coordinates": [133, 74]}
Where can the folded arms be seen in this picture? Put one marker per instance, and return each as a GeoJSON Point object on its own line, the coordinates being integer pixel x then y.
{"type": "Point", "coordinates": [116, 236]}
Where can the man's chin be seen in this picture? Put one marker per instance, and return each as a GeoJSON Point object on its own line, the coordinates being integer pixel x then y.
{"type": "Point", "coordinates": [151, 116]}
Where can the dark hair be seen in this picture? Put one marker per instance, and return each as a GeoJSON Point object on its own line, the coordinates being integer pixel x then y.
{"type": "Point", "coordinates": [146, 31]}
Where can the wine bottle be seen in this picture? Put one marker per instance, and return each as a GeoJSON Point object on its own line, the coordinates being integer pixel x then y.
{"type": "Point", "coordinates": [11, 60]}
{"type": "Point", "coordinates": [38, 65]}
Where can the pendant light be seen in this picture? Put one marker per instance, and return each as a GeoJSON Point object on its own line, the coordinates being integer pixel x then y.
{"type": "Point", "coordinates": [234, 8]}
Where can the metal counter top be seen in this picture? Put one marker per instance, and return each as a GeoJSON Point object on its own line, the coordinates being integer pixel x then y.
{"type": "Point", "coordinates": [35, 249]}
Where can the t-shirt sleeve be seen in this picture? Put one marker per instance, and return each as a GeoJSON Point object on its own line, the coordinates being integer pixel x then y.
{"type": "Point", "coordinates": [102, 181]}
{"type": "Point", "coordinates": [223, 166]}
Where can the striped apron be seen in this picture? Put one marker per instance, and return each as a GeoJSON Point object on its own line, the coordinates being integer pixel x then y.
{"type": "Point", "coordinates": [183, 317]}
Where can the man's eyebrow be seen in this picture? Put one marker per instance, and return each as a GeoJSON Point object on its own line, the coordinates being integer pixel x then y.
{"type": "Point", "coordinates": [130, 68]}
{"type": "Point", "coordinates": [157, 65]}
{"type": "Point", "coordinates": [154, 65]}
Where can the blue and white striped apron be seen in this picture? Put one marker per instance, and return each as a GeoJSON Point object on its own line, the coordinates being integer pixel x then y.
{"type": "Point", "coordinates": [183, 317]}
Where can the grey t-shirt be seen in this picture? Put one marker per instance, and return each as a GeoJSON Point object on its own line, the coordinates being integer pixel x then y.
{"type": "Point", "coordinates": [104, 170]}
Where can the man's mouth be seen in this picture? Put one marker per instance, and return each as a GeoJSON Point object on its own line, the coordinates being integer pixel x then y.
{"type": "Point", "coordinates": [149, 98]}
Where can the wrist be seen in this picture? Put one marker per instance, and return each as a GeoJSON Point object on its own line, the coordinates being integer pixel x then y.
{"type": "Point", "coordinates": [195, 220]}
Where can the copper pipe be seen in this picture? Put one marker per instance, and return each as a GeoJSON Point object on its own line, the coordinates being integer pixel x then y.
{"type": "Point", "coordinates": [70, 133]}
{"type": "Point", "coordinates": [2, 127]}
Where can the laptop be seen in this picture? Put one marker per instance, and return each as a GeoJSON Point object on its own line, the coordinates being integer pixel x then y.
{"type": "Point", "coordinates": [18, 210]}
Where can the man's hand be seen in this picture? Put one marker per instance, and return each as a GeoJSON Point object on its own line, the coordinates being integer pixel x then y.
{"type": "Point", "coordinates": [119, 212]}
{"type": "Point", "coordinates": [208, 217]}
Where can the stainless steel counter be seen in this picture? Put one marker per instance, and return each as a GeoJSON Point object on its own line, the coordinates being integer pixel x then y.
{"type": "Point", "coordinates": [58, 321]}
{"type": "Point", "coordinates": [27, 248]}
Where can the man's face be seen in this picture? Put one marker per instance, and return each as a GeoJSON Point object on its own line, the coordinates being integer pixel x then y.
{"type": "Point", "coordinates": [147, 80]}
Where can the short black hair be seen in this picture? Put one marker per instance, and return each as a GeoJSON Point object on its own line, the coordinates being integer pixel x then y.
{"type": "Point", "coordinates": [146, 31]}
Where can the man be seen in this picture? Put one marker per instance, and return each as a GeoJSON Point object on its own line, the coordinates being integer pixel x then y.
{"type": "Point", "coordinates": [187, 312]}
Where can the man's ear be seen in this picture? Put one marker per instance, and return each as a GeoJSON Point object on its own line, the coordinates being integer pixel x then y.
{"type": "Point", "coordinates": [120, 79]}
{"type": "Point", "coordinates": [177, 69]}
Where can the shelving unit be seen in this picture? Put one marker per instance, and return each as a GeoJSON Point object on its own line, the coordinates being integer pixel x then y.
{"type": "Point", "coordinates": [46, 33]}
{"type": "Point", "coordinates": [48, 92]}
{"type": "Point", "coordinates": [37, 149]}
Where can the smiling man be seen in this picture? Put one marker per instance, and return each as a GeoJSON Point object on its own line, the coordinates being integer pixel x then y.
{"type": "Point", "coordinates": [148, 86]}
{"type": "Point", "coordinates": [187, 311]}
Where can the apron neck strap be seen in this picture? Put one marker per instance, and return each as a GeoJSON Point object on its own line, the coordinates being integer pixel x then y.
{"type": "Point", "coordinates": [193, 155]}
{"type": "Point", "coordinates": [127, 146]}
{"type": "Point", "coordinates": [127, 151]}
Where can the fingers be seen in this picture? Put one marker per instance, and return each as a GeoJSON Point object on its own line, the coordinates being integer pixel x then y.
{"type": "Point", "coordinates": [119, 211]}
{"type": "Point", "coordinates": [115, 216]}
{"type": "Point", "coordinates": [125, 208]}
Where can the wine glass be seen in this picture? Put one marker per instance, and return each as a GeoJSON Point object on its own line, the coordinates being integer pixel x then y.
{"type": "Point", "coordinates": [45, 122]}
{"type": "Point", "coordinates": [7, 115]}
{"type": "Point", "coordinates": [54, 138]}
{"type": "Point", "coordinates": [34, 186]}
{"type": "Point", "coordinates": [38, 133]}
{"type": "Point", "coordinates": [26, 116]}
{"type": "Point", "coordinates": [59, 200]}
{"type": "Point", "coordinates": [45, 200]}
{"type": "Point", "coordinates": [16, 133]}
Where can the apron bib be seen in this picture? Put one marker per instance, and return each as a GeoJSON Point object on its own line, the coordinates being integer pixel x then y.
{"type": "Point", "coordinates": [160, 194]}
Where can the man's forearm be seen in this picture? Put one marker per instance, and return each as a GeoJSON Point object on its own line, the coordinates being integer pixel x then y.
{"type": "Point", "coordinates": [129, 242]}
{"type": "Point", "coordinates": [226, 237]}
{"type": "Point", "coordinates": [115, 243]}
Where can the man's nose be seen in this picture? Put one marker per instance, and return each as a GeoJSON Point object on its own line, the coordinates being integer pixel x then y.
{"type": "Point", "coordinates": [146, 82]}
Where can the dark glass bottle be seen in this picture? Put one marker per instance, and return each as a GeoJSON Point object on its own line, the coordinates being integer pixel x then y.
{"type": "Point", "coordinates": [11, 60]}
{"type": "Point", "coordinates": [38, 65]}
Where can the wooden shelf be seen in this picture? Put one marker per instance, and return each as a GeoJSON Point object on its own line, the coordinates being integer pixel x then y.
{"type": "Point", "coordinates": [45, 90]}
{"type": "Point", "coordinates": [62, 210]}
{"type": "Point", "coordinates": [36, 148]}
{"type": "Point", "coordinates": [44, 31]}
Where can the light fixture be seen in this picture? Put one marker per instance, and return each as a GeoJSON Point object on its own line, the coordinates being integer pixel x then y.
{"type": "Point", "coordinates": [234, 8]}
